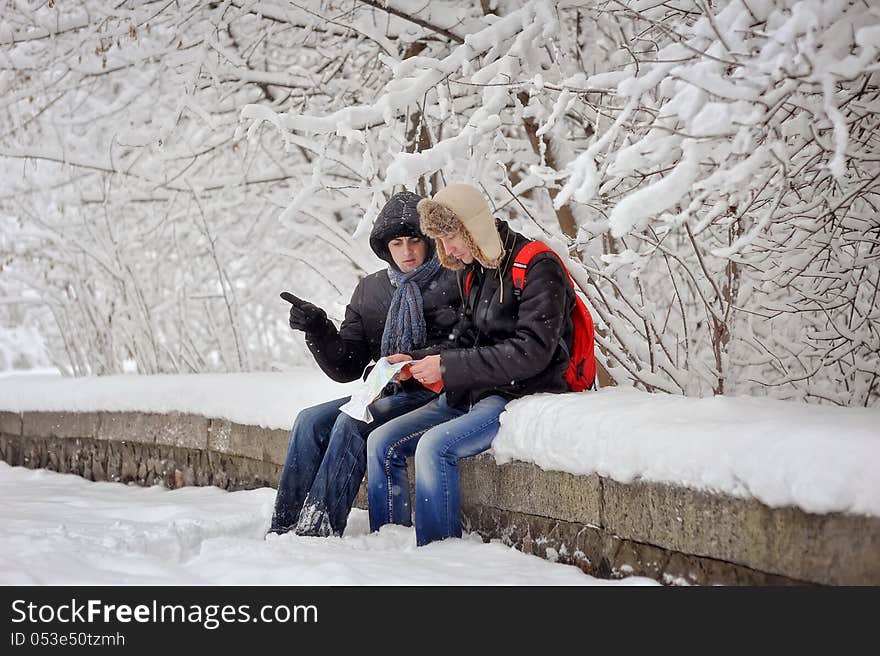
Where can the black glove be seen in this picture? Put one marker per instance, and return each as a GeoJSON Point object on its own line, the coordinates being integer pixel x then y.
{"type": "Point", "coordinates": [305, 316]}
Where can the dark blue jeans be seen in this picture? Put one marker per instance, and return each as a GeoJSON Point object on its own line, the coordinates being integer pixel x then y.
{"type": "Point", "coordinates": [326, 462]}
{"type": "Point", "coordinates": [439, 436]}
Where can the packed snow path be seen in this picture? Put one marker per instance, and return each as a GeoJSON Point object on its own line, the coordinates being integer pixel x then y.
{"type": "Point", "coordinates": [59, 529]}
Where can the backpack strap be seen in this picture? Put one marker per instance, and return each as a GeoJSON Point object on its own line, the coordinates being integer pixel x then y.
{"type": "Point", "coordinates": [521, 263]}
{"type": "Point", "coordinates": [519, 266]}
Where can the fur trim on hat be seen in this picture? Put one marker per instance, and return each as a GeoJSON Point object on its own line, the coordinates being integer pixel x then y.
{"type": "Point", "coordinates": [436, 221]}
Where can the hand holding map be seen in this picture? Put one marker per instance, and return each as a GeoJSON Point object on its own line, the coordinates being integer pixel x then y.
{"type": "Point", "coordinates": [382, 374]}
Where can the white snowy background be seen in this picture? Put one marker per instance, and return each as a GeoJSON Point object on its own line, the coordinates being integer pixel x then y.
{"type": "Point", "coordinates": [710, 169]}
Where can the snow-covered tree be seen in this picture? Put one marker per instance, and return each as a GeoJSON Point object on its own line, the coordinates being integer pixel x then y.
{"type": "Point", "coordinates": [710, 167]}
{"type": "Point", "coordinates": [743, 157]}
{"type": "Point", "coordinates": [156, 241]}
{"type": "Point", "coordinates": [713, 166]}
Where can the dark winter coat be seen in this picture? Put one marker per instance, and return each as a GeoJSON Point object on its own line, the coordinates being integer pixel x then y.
{"type": "Point", "coordinates": [508, 346]}
{"type": "Point", "coordinates": [343, 354]}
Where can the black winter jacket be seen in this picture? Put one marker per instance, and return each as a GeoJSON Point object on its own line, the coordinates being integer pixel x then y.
{"type": "Point", "coordinates": [343, 354]}
{"type": "Point", "coordinates": [508, 346]}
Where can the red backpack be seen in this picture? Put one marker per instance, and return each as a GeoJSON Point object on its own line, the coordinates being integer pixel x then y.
{"type": "Point", "coordinates": [581, 372]}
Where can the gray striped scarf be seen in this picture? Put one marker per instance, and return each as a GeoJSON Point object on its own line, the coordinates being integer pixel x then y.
{"type": "Point", "coordinates": [405, 324]}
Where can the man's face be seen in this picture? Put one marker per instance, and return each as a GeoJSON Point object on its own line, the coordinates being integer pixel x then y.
{"type": "Point", "coordinates": [455, 246]}
{"type": "Point", "coordinates": [408, 253]}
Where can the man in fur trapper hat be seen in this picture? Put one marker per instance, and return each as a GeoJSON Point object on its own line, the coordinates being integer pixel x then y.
{"type": "Point", "coordinates": [507, 344]}
{"type": "Point", "coordinates": [460, 210]}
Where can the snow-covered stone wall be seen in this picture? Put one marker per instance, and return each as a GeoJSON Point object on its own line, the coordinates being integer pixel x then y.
{"type": "Point", "coordinates": [673, 533]}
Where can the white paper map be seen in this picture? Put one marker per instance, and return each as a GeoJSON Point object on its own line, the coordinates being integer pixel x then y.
{"type": "Point", "coordinates": [380, 376]}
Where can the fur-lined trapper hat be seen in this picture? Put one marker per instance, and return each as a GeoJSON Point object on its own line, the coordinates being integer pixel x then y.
{"type": "Point", "coordinates": [461, 207]}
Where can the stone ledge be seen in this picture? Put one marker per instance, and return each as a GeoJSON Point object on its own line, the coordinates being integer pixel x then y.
{"type": "Point", "coordinates": [670, 533]}
{"type": "Point", "coordinates": [834, 548]}
{"type": "Point", "coordinates": [10, 423]}
{"type": "Point", "coordinates": [235, 439]}
{"type": "Point", "coordinates": [275, 445]}
{"type": "Point", "coordinates": [184, 430]}
{"type": "Point", "coordinates": [60, 424]}
{"type": "Point", "coordinates": [140, 463]}
{"type": "Point", "coordinates": [605, 555]}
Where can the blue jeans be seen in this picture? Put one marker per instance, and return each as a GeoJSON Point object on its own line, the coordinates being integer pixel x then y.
{"type": "Point", "coordinates": [325, 464]}
{"type": "Point", "coordinates": [439, 435]}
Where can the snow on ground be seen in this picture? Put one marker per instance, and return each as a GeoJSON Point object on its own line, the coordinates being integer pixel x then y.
{"type": "Point", "coordinates": [820, 458]}
{"type": "Point", "coordinates": [60, 529]}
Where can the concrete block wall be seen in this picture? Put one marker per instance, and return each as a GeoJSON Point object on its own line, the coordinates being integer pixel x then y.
{"type": "Point", "coordinates": [674, 534]}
